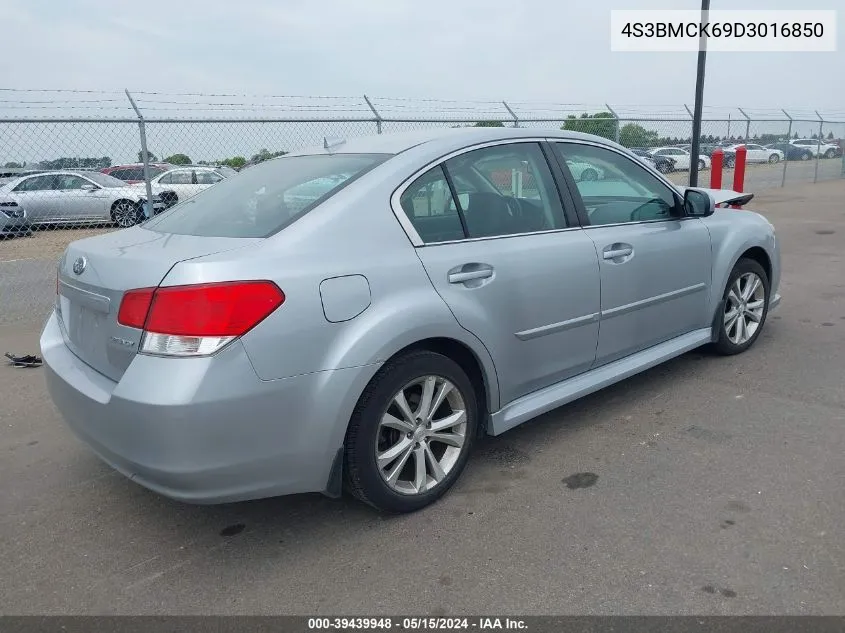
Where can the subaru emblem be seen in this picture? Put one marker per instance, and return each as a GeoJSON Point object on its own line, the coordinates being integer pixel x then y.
{"type": "Point", "coordinates": [79, 265]}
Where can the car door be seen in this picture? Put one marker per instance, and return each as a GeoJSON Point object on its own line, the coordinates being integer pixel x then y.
{"type": "Point", "coordinates": [682, 159]}
{"type": "Point", "coordinates": [36, 195]}
{"type": "Point", "coordinates": [515, 270]}
{"type": "Point", "coordinates": [205, 178]}
{"type": "Point", "coordinates": [655, 264]}
{"type": "Point", "coordinates": [756, 154]}
{"type": "Point", "coordinates": [79, 198]}
{"type": "Point", "coordinates": [183, 182]}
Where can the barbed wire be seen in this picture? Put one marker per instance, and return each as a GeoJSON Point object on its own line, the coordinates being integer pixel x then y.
{"type": "Point", "coordinates": [101, 102]}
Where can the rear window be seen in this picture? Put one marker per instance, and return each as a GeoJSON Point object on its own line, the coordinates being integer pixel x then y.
{"type": "Point", "coordinates": [266, 198]}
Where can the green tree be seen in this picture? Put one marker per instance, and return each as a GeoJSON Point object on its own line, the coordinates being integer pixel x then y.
{"type": "Point", "coordinates": [178, 159]}
{"type": "Point", "coordinates": [634, 135]}
{"type": "Point", "coordinates": [150, 156]}
{"type": "Point", "coordinates": [489, 124]}
{"type": "Point", "coordinates": [265, 154]}
{"type": "Point", "coordinates": [599, 123]}
{"type": "Point", "coordinates": [13, 165]}
{"type": "Point", "coordinates": [830, 136]}
{"type": "Point", "coordinates": [236, 162]}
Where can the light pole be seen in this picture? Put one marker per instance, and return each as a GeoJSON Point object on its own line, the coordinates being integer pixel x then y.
{"type": "Point", "coordinates": [699, 98]}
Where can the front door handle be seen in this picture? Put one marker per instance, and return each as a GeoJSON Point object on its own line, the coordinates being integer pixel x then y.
{"type": "Point", "coordinates": [469, 275]}
{"type": "Point", "coordinates": [615, 251]}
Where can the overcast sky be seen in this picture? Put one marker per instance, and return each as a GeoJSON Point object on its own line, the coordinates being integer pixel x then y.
{"type": "Point", "coordinates": [521, 50]}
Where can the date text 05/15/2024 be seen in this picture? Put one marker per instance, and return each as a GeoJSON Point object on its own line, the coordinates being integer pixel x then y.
{"type": "Point", "coordinates": [421, 623]}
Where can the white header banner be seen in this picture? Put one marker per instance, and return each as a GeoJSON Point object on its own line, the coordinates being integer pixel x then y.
{"type": "Point", "coordinates": [730, 31]}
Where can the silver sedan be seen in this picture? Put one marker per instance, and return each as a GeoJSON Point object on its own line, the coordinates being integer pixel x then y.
{"type": "Point", "coordinates": [433, 287]}
{"type": "Point", "coordinates": [77, 196]}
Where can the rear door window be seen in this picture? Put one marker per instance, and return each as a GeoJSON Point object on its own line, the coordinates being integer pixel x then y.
{"type": "Point", "coordinates": [265, 198]}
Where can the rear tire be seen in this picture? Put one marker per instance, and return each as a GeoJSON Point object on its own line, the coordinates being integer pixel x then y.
{"type": "Point", "coordinates": [806, 156]}
{"type": "Point", "coordinates": [589, 174]}
{"type": "Point", "coordinates": [746, 306]}
{"type": "Point", "coordinates": [402, 466]}
{"type": "Point", "coordinates": [830, 153]}
{"type": "Point", "coordinates": [701, 165]}
{"type": "Point", "coordinates": [663, 168]}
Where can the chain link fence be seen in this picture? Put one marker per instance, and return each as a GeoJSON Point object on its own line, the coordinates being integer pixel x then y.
{"type": "Point", "coordinates": [67, 177]}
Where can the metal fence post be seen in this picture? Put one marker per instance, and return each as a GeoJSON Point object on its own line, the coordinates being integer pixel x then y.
{"type": "Point", "coordinates": [375, 112]}
{"type": "Point", "coordinates": [512, 113]}
{"type": "Point", "coordinates": [616, 121]}
{"type": "Point", "coordinates": [728, 135]}
{"type": "Point", "coordinates": [818, 146]}
{"type": "Point", "coordinates": [786, 154]}
{"type": "Point", "coordinates": [148, 208]}
{"type": "Point", "coordinates": [747, 124]}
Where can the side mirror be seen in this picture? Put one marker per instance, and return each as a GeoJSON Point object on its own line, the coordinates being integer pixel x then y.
{"type": "Point", "coordinates": [89, 187]}
{"type": "Point", "coordinates": [698, 203]}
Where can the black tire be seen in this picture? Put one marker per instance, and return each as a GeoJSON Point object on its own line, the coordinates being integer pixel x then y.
{"type": "Point", "coordinates": [774, 158]}
{"type": "Point", "coordinates": [701, 164]}
{"type": "Point", "coordinates": [589, 174]}
{"type": "Point", "coordinates": [126, 213]}
{"type": "Point", "coordinates": [169, 198]}
{"type": "Point", "coordinates": [724, 345]}
{"type": "Point", "coordinates": [806, 156]}
{"type": "Point", "coordinates": [830, 153]}
{"type": "Point", "coordinates": [361, 472]}
{"type": "Point", "coordinates": [664, 168]}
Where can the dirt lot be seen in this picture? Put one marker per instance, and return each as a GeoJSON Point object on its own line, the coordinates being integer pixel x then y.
{"type": "Point", "coordinates": [718, 490]}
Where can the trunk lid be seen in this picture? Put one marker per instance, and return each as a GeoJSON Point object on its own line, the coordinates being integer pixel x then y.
{"type": "Point", "coordinates": [93, 275]}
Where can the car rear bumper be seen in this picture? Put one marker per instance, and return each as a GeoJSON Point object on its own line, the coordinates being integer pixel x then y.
{"type": "Point", "coordinates": [206, 430]}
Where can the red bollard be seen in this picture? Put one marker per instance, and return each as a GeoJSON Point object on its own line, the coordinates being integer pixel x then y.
{"type": "Point", "coordinates": [739, 171]}
{"type": "Point", "coordinates": [717, 160]}
{"type": "Point", "coordinates": [739, 168]}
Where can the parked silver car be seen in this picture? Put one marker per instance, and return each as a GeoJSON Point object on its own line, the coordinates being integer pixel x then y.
{"type": "Point", "coordinates": [77, 196]}
{"type": "Point", "coordinates": [237, 347]}
{"type": "Point", "coordinates": [181, 183]}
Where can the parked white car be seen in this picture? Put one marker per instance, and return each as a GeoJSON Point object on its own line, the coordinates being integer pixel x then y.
{"type": "Point", "coordinates": [77, 196]}
{"type": "Point", "coordinates": [824, 149]}
{"type": "Point", "coordinates": [681, 157]}
{"type": "Point", "coordinates": [584, 171]}
{"type": "Point", "coordinates": [179, 184]}
{"type": "Point", "coordinates": [758, 153]}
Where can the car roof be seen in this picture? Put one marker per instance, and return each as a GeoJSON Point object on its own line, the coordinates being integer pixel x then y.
{"type": "Point", "coordinates": [445, 139]}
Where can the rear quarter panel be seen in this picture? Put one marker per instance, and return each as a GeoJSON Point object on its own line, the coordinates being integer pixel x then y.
{"type": "Point", "coordinates": [353, 233]}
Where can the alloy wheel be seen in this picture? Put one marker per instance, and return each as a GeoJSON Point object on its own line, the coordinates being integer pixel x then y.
{"type": "Point", "coordinates": [744, 308]}
{"type": "Point", "coordinates": [421, 435]}
{"type": "Point", "coordinates": [125, 214]}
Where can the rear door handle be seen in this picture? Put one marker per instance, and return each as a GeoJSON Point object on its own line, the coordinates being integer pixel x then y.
{"type": "Point", "coordinates": [615, 251]}
{"type": "Point", "coordinates": [461, 277]}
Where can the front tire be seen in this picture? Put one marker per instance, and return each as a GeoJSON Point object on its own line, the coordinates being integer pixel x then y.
{"type": "Point", "coordinates": [830, 153]}
{"type": "Point", "coordinates": [126, 213]}
{"type": "Point", "coordinates": [411, 433]}
{"type": "Point", "coordinates": [701, 165]}
{"type": "Point", "coordinates": [589, 174]}
{"type": "Point", "coordinates": [746, 305]}
{"type": "Point", "coordinates": [774, 158]}
{"type": "Point", "coordinates": [663, 168]}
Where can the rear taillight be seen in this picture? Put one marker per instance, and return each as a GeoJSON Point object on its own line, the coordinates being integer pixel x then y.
{"type": "Point", "coordinates": [134, 307]}
{"type": "Point", "coordinates": [199, 319]}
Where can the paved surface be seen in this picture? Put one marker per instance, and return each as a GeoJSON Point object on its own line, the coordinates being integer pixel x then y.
{"type": "Point", "coordinates": [718, 489]}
